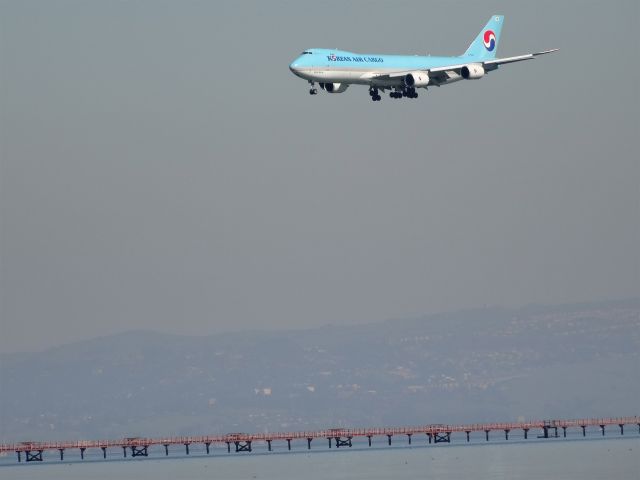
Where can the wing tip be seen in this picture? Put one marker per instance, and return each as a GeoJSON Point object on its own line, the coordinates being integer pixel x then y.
{"type": "Point", "coordinates": [546, 51]}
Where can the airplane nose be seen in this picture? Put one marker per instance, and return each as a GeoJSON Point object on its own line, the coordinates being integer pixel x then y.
{"type": "Point", "coordinates": [294, 67]}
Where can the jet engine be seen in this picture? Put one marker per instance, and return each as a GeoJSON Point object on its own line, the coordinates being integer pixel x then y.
{"type": "Point", "coordinates": [416, 79]}
{"type": "Point", "coordinates": [473, 71]}
{"type": "Point", "coordinates": [334, 87]}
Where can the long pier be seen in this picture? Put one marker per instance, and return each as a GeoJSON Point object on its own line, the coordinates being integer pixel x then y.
{"type": "Point", "coordinates": [338, 437]}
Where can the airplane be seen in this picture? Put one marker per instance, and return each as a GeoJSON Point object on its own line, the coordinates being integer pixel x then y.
{"type": "Point", "coordinates": [335, 70]}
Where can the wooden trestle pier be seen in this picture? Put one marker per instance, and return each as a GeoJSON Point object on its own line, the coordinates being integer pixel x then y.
{"type": "Point", "coordinates": [340, 437]}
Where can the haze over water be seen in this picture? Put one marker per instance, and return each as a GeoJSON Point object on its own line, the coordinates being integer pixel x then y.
{"type": "Point", "coordinates": [590, 459]}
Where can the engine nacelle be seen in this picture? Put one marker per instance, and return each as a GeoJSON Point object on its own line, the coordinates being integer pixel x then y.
{"type": "Point", "coordinates": [473, 71]}
{"type": "Point", "coordinates": [334, 87]}
{"type": "Point", "coordinates": [416, 79]}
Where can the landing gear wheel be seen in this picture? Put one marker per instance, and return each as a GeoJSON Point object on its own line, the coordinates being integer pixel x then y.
{"type": "Point", "coordinates": [313, 91]}
{"type": "Point", "coordinates": [409, 93]}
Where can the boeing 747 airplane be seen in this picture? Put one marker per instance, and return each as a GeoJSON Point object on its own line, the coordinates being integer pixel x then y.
{"type": "Point", "coordinates": [335, 70]}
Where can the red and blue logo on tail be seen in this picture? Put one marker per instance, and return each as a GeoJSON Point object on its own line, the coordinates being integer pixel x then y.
{"type": "Point", "coordinates": [485, 45]}
{"type": "Point", "coordinates": [489, 40]}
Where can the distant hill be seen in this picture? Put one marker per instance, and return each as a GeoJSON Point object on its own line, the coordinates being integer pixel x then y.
{"type": "Point", "coordinates": [476, 365]}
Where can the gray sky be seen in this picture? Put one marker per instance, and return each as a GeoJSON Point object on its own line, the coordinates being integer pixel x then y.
{"type": "Point", "coordinates": [161, 167]}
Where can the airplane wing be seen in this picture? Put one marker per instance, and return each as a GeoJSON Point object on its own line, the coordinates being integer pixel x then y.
{"type": "Point", "coordinates": [489, 65]}
{"type": "Point", "coordinates": [496, 61]}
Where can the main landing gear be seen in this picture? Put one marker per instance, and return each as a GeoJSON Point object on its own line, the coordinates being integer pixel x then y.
{"type": "Point", "coordinates": [375, 96]}
{"type": "Point", "coordinates": [405, 92]}
{"type": "Point", "coordinates": [313, 90]}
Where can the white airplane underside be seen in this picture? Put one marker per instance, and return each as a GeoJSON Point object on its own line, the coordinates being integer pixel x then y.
{"type": "Point", "coordinates": [381, 80]}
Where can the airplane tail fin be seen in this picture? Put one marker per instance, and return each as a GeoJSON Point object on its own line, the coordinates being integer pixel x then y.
{"type": "Point", "coordinates": [485, 45]}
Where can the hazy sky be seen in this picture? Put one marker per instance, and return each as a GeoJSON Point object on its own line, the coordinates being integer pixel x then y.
{"type": "Point", "coordinates": [161, 167]}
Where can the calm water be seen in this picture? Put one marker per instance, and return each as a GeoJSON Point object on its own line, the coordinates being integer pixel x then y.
{"type": "Point", "coordinates": [591, 459]}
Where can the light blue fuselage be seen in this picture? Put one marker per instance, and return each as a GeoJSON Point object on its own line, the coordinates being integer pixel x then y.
{"type": "Point", "coordinates": [338, 66]}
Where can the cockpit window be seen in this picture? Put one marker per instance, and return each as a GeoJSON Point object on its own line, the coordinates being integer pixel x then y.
{"type": "Point", "coordinates": [306, 53]}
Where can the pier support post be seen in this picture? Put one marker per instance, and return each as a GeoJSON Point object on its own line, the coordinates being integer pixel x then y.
{"type": "Point", "coordinates": [467, 432]}
{"type": "Point", "coordinates": [166, 449]}
{"type": "Point", "coordinates": [309, 443]}
{"type": "Point", "coordinates": [486, 434]}
{"type": "Point", "coordinates": [389, 437]}
{"type": "Point", "coordinates": [33, 457]}
{"type": "Point", "coordinates": [409, 437]}
{"type": "Point", "coordinates": [61, 450]}
{"type": "Point", "coordinates": [369, 437]}
{"type": "Point", "coordinates": [526, 433]}
{"type": "Point", "coordinates": [621, 425]}
{"type": "Point", "coordinates": [556, 430]}
{"type": "Point", "coordinates": [564, 432]}
{"type": "Point", "coordinates": [269, 444]}
{"type": "Point", "coordinates": [584, 430]}
{"type": "Point", "coordinates": [104, 452]}
{"type": "Point", "coordinates": [288, 444]}
{"type": "Point", "coordinates": [139, 451]}
{"type": "Point", "coordinates": [207, 445]}
{"type": "Point", "coordinates": [82, 449]}
{"type": "Point", "coordinates": [124, 452]}
{"type": "Point", "coordinates": [343, 443]}
{"type": "Point", "coordinates": [19, 456]}
{"type": "Point", "coordinates": [429, 435]}
{"type": "Point", "coordinates": [506, 433]}
{"type": "Point", "coordinates": [186, 448]}
{"type": "Point", "coordinates": [329, 438]}
{"type": "Point", "coordinates": [228, 447]}
{"type": "Point", "coordinates": [243, 446]}
{"type": "Point", "coordinates": [442, 437]}
{"type": "Point", "coordinates": [602, 428]}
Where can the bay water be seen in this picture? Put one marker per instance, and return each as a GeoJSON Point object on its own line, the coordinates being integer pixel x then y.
{"type": "Point", "coordinates": [584, 459]}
